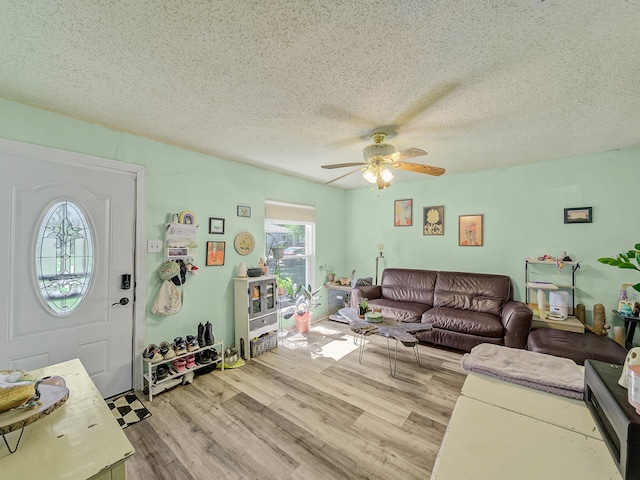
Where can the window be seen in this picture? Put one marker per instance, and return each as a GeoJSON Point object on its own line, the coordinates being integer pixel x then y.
{"type": "Point", "coordinates": [64, 257]}
{"type": "Point", "coordinates": [291, 227]}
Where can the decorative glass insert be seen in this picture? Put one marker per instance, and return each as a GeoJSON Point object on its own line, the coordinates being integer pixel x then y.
{"type": "Point", "coordinates": [64, 257]}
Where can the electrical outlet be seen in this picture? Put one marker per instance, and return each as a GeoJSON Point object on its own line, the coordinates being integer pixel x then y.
{"type": "Point", "coordinates": [154, 246]}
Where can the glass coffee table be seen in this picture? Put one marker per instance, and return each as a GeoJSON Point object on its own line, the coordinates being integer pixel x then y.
{"type": "Point", "coordinates": [403, 332]}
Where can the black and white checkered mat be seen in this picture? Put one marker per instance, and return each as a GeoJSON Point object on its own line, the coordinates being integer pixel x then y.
{"type": "Point", "coordinates": [128, 409]}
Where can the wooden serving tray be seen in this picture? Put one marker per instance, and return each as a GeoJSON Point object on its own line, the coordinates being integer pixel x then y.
{"type": "Point", "coordinates": [51, 397]}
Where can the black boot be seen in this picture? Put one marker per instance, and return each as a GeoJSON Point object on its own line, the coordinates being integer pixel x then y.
{"type": "Point", "coordinates": [208, 334]}
{"type": "Point", "coordinates": [201, 341]}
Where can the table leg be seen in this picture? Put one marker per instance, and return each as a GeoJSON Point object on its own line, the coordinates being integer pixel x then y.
{"type": "Point", "coordinates": [630, 326]}
{"type": "Point", "coordinates": [417, 353]}
{"type": "Point", "coordinates": [361, 353]}
{"type": "Point", "coordinates": [392, 369]}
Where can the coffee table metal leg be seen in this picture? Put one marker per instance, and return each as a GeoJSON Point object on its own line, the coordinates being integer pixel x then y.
{"type": "Point", "coordinates": [417, 353]}
{"type": "Point", "coordinates": [392, 369]}
{"type": "Point", "coordinates": [361, 353]}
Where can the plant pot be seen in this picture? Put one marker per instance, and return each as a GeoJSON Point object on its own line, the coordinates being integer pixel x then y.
{"type": "Point", "coordinates": [303, 322]}
{"type": "Point", "coordinates": [362, 311]}
{"type": "Point", "coordinates": [331, 277]}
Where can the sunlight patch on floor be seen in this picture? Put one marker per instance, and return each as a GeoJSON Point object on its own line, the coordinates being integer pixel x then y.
{"type": "Point", "coordinates": [324, 330]}
{"type": "Point", "coordinates": [336, 349]}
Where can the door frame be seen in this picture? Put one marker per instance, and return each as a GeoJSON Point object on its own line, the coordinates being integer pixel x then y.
{"type": "Point", "coordinates": [69, 158]}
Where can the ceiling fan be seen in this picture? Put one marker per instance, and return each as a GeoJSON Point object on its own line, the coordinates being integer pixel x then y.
{"type": "Point", "coordinates": [379, 156]}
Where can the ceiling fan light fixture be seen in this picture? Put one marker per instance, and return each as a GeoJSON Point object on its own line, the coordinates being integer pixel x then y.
{"type": "Point", "coordinates": [378, 150]}
{"type": "Point", "coordinates": [370, 174]}
{"type": "Point", "coordinates": [386, 174]}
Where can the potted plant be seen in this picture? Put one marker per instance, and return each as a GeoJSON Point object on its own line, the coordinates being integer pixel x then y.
{"type": "Point", "coordinates": [331, 275]}
{"type": "Point", "coordinates": [284, 286]}
{"type": "Point", "coordinates": [363, 306]}
{"type": "Point", "coordinates": [305, 301]}
{"type": "Point", "coordinates": [624, 261]}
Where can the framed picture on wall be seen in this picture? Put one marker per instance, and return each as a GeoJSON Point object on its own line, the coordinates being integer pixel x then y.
{"type": "Point", "coordinates": [216, 225]}
{"type": "Point", "coordinates": [402, 213]}
{"type": "Point", "coordinates": [578, 215]}
{"type": "Point", "coordinates": [470, 231]}
{"type": "Point", "coordinates": [433, 220]}
{"type": "Point", "coordinates": [215, 253]}
{"type": "Point", "coordinates": [244, 211]}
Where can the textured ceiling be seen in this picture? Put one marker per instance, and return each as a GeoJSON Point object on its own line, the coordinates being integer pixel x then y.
{"type": "Point", "coordinates": [289, 85]}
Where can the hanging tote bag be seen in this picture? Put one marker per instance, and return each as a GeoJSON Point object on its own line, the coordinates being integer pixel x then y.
{"type": "Point", "coordinates": [168, 301]}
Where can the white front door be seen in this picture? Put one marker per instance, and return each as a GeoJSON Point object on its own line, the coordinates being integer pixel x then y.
{"type": "Point", "coordinates": [69, 237]}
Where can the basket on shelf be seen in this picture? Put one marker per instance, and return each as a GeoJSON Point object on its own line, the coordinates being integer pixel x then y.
{"type": "Point", "coordinates": [264, 343]}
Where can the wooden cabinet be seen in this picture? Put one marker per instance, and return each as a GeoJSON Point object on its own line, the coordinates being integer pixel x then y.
{"type": "Point", "coordinates": [256, 310]}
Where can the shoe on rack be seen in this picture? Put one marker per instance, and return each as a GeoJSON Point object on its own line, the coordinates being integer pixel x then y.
{"type": "Point", "coordinates": [187, 378]}
{"type": "Point", "coordinates": [209, 339]}
{"type": "Point", "coordinates": [179, 364]}
{"type": "Point", "coordinates": [162, 372]}
{"type": "Point", "coordinates": [201, 341]}
{"type": "Point", "coordinates": [192, 343]}
{"type": "Point", "coordinates": [167, 351]}
{"type": "Point", "coordinates": [203, 358]}
{"type": "Point", "coordinates": [213, 353]}
{"type": "Point", "coordinates": [179, 345]}
{"type": "Point", "coordinates": [191, 361]}
{"type": "Point", "coordinates": [152, 354]}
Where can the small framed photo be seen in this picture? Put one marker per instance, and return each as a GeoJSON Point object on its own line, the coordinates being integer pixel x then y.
{"type": "Point", "coordinates": [470, 231]}
{"type": "Point", "coordinates": [433, 220]}
{"type": "Point", "coordinates": [403, 213]}
{"type": "Point", "coordinates": [578, 215]}
{"type": "Point", "coordinates": [216, 225]}
{"type": "Point", "coordinates": [244, 211]}
{"type": "Point", "coordinates": [215, 253]}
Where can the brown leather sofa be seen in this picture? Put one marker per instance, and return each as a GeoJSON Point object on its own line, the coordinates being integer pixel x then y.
{"type": "Point", "coordinates": [465, 309]}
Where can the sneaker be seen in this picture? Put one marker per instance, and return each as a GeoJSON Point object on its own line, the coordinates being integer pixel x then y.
{"type": "Point", "coordinates": [179, 345]}
{"type": "Point", "coordinates": [191, 361]}
{"type": "Point", "coordinates": [192, 343]}
{"type": "Point", "coordinates": [213, 353]}
{"type": "Point", "coordinates": [167, 351]}
{"type": "Point", "coordinates": [187, 378]}
{"type": "Point", "coordinates": [162, 372]}
{"type": "Point", "coordinates": [203, 357]}
{"type": "Point", "coordinates": [179, 364]}
{"type": "Point", "coordinates": [152, 354]}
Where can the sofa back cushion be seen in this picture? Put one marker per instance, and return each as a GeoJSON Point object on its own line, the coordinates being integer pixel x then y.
{"type": "Point", "coordinates": [478, 292]}
{"type": "Point", "coordinates": [406, 285]}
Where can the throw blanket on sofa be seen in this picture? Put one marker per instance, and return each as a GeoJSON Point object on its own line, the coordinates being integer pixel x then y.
{"type": "Point", "coordinates": [560, 376]}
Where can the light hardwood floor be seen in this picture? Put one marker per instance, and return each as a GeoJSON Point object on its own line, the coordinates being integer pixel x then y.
{"type": "Point", "coordinates": [306, 410]}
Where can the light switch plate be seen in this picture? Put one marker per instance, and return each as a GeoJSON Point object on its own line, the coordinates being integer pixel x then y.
{"type": "Point", "coordinates": [154, 246]}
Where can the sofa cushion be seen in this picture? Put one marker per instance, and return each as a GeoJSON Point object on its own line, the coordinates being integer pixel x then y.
{"type": "Point", "coordinates": [406, 285]}
{"type": "Point", "coordinates": [403, 311]}
{"type": "Point", "coordinates": [466, 321]}
{"type": "Point", "coordinates": [477, 292]}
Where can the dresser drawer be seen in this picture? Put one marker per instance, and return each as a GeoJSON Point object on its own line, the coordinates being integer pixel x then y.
{"type": "Point", "coordinates": [261, 322]}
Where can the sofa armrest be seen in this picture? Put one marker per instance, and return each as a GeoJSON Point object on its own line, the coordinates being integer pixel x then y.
{"type": "Point", "coordinates": [516, 318]}
{"type": "Point", "coordinates": [369, 291]}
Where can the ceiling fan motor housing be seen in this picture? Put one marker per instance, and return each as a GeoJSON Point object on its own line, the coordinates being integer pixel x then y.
{"type": "Point", "coordinates": [379, 148]}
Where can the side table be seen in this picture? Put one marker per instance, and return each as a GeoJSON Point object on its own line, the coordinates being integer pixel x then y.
{"type": "Point", "coordinates": [629, 327]}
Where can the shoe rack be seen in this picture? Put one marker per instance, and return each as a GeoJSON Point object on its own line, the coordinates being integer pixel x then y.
{"type": "Point", "coordinates": [175, 378]}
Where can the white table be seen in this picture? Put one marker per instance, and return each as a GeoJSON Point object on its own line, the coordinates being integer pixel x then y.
{"type": "Point", "coordinates": [79, 440]}
{"type": "Point", "coordinates": [500, 430]}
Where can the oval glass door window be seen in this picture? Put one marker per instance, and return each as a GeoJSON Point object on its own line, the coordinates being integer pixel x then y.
{"type": "Point", "coordinates": [64, 257]}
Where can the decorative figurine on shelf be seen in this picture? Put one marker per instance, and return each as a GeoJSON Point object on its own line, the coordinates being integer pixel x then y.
{"type": "Point", "coordinates": [263, 266]}
{"type": "Point", "coordinates": [600, 325]}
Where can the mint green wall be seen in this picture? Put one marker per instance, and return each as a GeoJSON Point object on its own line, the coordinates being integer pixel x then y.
{"type": "Point", "coordinates": [523, 209]}
{"type": "Point", "coordinates": [179, 179]}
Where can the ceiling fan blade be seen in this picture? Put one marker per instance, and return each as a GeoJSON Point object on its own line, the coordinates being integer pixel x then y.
{"type": "Point", "coordinates": [342, 176]}
{"type": "Point", "coordinates": [340, 165]}
{"type": "Point", "coordinates": [405, 154]}
{"type": "Point", "coordinates": [415, 167]}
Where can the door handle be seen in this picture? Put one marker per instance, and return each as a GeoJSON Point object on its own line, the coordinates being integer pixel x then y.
{"type": "Point", "coordinates": [122, 301]}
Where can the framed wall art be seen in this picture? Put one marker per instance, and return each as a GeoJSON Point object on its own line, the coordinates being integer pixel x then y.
{"type": "Point", "coordinates": [244, 211]}
{"type": "Point", "coordinates": [403, 213]}
{"type": "Point", "coordinates": [578, 215]}
{"type": "Point", "coordinates": [216, 225]}
{"type": "Point", "coordinates": [433, 220]}
{"type": "Point", "coordinates": [215, 253]}
{"type": "Point", "coordinates": [470, 231]}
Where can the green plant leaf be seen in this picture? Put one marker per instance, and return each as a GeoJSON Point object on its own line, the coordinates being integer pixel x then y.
{"type": "Point", "coordinates": [628, 266]}
{"type": "Point", "coordinates": [637, 287]}
{"type": "Point", "coordinates": [637, 246]}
